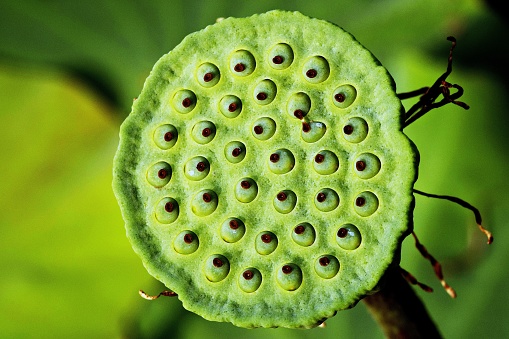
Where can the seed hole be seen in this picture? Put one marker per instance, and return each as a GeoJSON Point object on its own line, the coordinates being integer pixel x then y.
{"type": "Point", "coordinates": [287, 269]}
{"type": "Point", "coordinates": [319, 158]}
{"type": "Point", "coordinates": [240, 67]}
{"type": "Point", "coordinates": [348, 129]}
{"type": "Point", "coordinates": [248, 275]}
{"type": "Point", "coordinates": [342, 232]}
{"type": "Point", "coordinates": [266, 238]}
{"type": "Point", "coordinates": [278, 59]}
{"type": "Point", "coordinates": [360, 165]}
{"type": "Point", "coordinates": [162, 173]}
{"type": "Point", "coordinates": [217, 262]}
{"type": "Point", "coordinates": [274, 157]}
{"type": "Point", "coordinates": [311, 73]}
{"type": "Point", "coordinates": [324, 261]}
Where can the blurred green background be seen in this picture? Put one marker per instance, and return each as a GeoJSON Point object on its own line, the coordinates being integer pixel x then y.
{"type": "Point", "coordinates": [69, 71]}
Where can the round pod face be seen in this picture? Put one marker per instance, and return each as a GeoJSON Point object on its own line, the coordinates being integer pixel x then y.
{"type": "Point", "coordinates": [265, 177]}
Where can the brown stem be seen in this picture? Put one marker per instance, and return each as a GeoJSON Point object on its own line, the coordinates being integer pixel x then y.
{"type": "Point", "coordinates": [398, 310]}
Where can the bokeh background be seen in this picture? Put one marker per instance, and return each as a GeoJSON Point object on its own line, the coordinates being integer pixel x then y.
{"type": "Point", "coordinates": [69, 71]}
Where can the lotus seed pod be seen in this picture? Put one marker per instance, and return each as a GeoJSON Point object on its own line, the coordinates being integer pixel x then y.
{"type": "Point", "coordinates": [264, 177]}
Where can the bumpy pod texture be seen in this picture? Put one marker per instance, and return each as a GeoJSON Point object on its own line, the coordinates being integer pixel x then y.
{"type": "Point", "coordinates": [263, 174]}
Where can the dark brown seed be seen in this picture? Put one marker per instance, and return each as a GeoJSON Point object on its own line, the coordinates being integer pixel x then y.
{"type": "Point", "coordinates": [339, 97]}
{"type": "Point", "coordinates": [245, 184]}
{"type": "Point", "coordinates": [319, 158]}
{"type": "Point", "coordinates": [236, 152]}
{"type": "Point", "coordinates": [348, 129]}
{"type": "Point", "coordinates": [208, 77]}
{"type": "Point", "coordinates": [324, 261]}
{"type": "Point", "coordinates": [248, 275]}
{"type": "Point", "coordinates": [299, 114]}
{"type": "Point", "coordinates": [232, 107]}
{"type": "Point", "coordinates": [162, 173]}
{"type": "Point", "coordinates": [201, 166]}
{"type": "Point", "coordinates": [266, 238]}
{"type": "Point", "coordinates": [207, 197]}
{"type": "Point", "coordinates": [360, 201]}
{"type": "Point", "coordinates": [188, 238]}
{"type": "Point", "coordinates": [240, 67]}
{"type": "Point", "coordinates": [306, 127]}
{"type": "Point", "coordinates": [281, 196]}
{"type": "Point", "coordinates": [299, 229]}
{"type": "Point", "coordinates": [168, 136]}
{"type": "Point", "coordinates": [360, 165]}
{"type": "Point", "coordinates": [187, 102]}
{"type": "Point", "coordinates": [206, 132]}
{"type": "Point", "coordinates": [261, 96]}
{"type": "Point", "coordinates": [342, 232]}
{"type": "Point", "coordinates": [258, 129]}
{"type": "Point", "coordinates": [287, 269]}
{"type": "Point", "coordinates": [274, 157]}
{"type": "Point", "coordinates": [234, 224]}
{"type": "Point", "coordinates": [278, 59]}
{"type": "Point", "coordinates": [321, 197]}
{"type": "Point", "coordinates": [168, 207]}
{"type": "Point", "coordinates": [217, 262]}
{"type": "Point", "coordinates": [311, 73]}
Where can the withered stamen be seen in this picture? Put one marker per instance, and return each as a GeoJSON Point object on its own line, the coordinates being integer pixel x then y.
{"type": "Point", "coordinates": [236, 152]}
{"type": "Point", "coordinates": [201, 166]}
{"type": "Point", "coordinates": [187, 102]}
{"type": "Point", "coordinates": [188, 238]}
{"type": "Point", "coordinates": [168, 136]}
{"type": "Point", "coordinates": [232, 107]}
{"type": "Point", "coordinates": [168, 207]}
{"type": "Point", "coordinates": [240, 67]}
{"type": "Point", "coordinates": [162, 173]}
{"type": "Point", "coordinates": [360, 201]}
{"type": "Point", "coordinates": [287, 269]}
{"type": "Point", "coordinates": [299, 229]}
{"type": "Point", "coordinates": [206, 132]}
{"type": "Point", "coordinates": [360, 165]}
{"type": "Point", "coordinates": [281, 196]}
{"type": "Point", "coordinates": [248, 275]}
{"type": "Point", "coordinates": [324, 261]}
{"type": "Point", "coordinates": [306, 127]}
{"type": "Point", "coordinates": [319, 158]}
{"type": "Point", "coordinates": [342, 232]}
{"type": "Point", "coordinates": [299, 114]}
{"type": "Point", "coordinates": [266, 238]}
{"type": "Point", "coordinates": [245, 184]}
{"type": "Point", "coordinates": [348, 129]}
{"type": "Point", "coordinates": [258, 129]}
{"type": "Point", "coordinates": [274, 157]}
{"type": "Point", "coordinates": [311, 73]}
{"type": "Point", "coordinates": [321, 197]}
{"type": "Point", "coordinates": [208, 77]}
{"type": "Point", "coordinates": [207, 197]}
{"type": "Point", "coordinates": [278, 59]}
{"type": "Point", "coordinates": [234, 224]}
{"type": "Point", "coordinates": [261, 96]}
{"type": "Point", "coordinates": [339, 97]}
{"type": "Point", "coordinates": [217, 262]}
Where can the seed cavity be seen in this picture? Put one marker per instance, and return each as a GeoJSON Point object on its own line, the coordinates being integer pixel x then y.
{"type": "Point", "coordinates": [289, 277]}
{"type": "Point", "coordinates": [280, 56]}
{"type": "Point", "coordinates": [367, 165]}
{"type": "Point", "coordinates": [186, 242]}
{"type": "Point", "coordinates": [184, 101]}
{"type": "Point", "coordinates": [207, 75]}
{"type": "Point", "coordinates": [165, 136]}
{"type": "Point", "coordinates": [216, 268]}
{"type": "Point", "coordinates": [366, 203]}
{"type": "Point", "coordinates": [266, 243]}
{"type": "Point", "coordinates": [242, 63]}
{"type": "Point", "coordinates": [326, 200]}
{"type": "Point", "coordinates": [316, 69]}
{"type": "Point", "coordinates": [232, 230]}
{"type": "Point", "coordinates": [203, 132]}
{"type": "Point", "coordinates": [355, 130]}
{"type": "Point", "coordinates": [344, 96]}
{"type": "Point", "coordinates": [304, 234]}
{"type": "Point", "coordinates": [246, 190]}
{"type": "Point", "coordinates": [284, 202]}
{"type": "Point", "coordinates": [167, 210]}
{"type": "Point", "coordinates": [250, 280]}
{"type": "Point", "coordinates": [327, 266]}
{"type": "Point", "coordinates": [159, 174]}
{"type": "Point", "coordinates": [197, 168]}
{"type": "Point", "coordinates": [265, 92]}
{"type": "Point", "coordinates": [313, 131]}
{"type": "Point", "coordinates": [235, 152]}
{"type": "Point", "coordinates": [264, 128]}
{"type": "Point", "coordinates": [230, 106]}
{"type": "Point", "coordinates": [204, 203]}
{"type": "Point", "coordinates": [298, 105]}
{"type": "Point", "coordinates": [348, 237]}
{"type": "Point", "coordinates": [281, 161]}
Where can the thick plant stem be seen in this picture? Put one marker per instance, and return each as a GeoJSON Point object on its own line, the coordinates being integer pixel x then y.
{"type": "Point", "coordinates": [399, 311]}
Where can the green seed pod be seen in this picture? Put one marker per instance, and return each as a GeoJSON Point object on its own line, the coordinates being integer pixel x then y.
{"type": "Point", "coordinates": [285, 201]}
{"type": "Point", "coordinates": [204, 203]}
{"type": "Point", "coordinates": [216, 267]}
{"type": "Point", "coordinates": [304, 234]}
{"type": "Point", "coordinates": [280, 56]}
{"type": "Point", "coordinates": [348, 237]}
{"type": "Point", "coordinates": [281, 161]}
{"type": "Point", "coordinates": [265, 92]}
{"type": "Point", "coordinates": [184, 101]}
{"type": "Point", "coordinates": [165, 136]}
{"type": "Point", "coordinates": [222, 270]}
{"type": "Point", "coordinates": [266, 243]}
{"type": "Point", "coordinates": [246, 190]}
{"type": "Point", "coordinates": [312, 131]}
{"type": "Point", "coordinates": [289, 277]}
{"type": "Point", "coordinates": [365, 204]}
{"type": "Point", "coordinates": [316, 69]}
{"type": "Point", "coordinates": [203, 132]}
{"type": "Point", "coordinates": [326, 200]}
{"type": "Point", "coordinates": [298, 105]}
{"type": "Point", "coordinates": [242, 63]}
{"type": "Point", "coordinates": [159, 174]}
{"type": "Point", "coordinates": [232, 230]}
{"type": "Point", "coordinates": [167, 210]}
{"type": "Point", "coordinates": [355, 130]}
{"type": "Point", "coordinates": [207, 75]}
{"type": "Point", "coordinates": [235, 152]}
{"type": "Point", "coordinates": [325, 162]}
{"type": "Point", "coordinates": [327, 266]}
{"type": "Point", "coordinates": [344, 96]}
{"type": "Point", "coordinates": [186, 242]}
{"type": "Point", "coordinates": [264, 128]}
{"type": "Point", "coordinates": [230, 106]}
{"type": "Point", "coordinates": [367, 165]}
{"type": "Point", "coordinates": [250, 280]}
{"type": "Point", "coordinates": [197, 168]}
